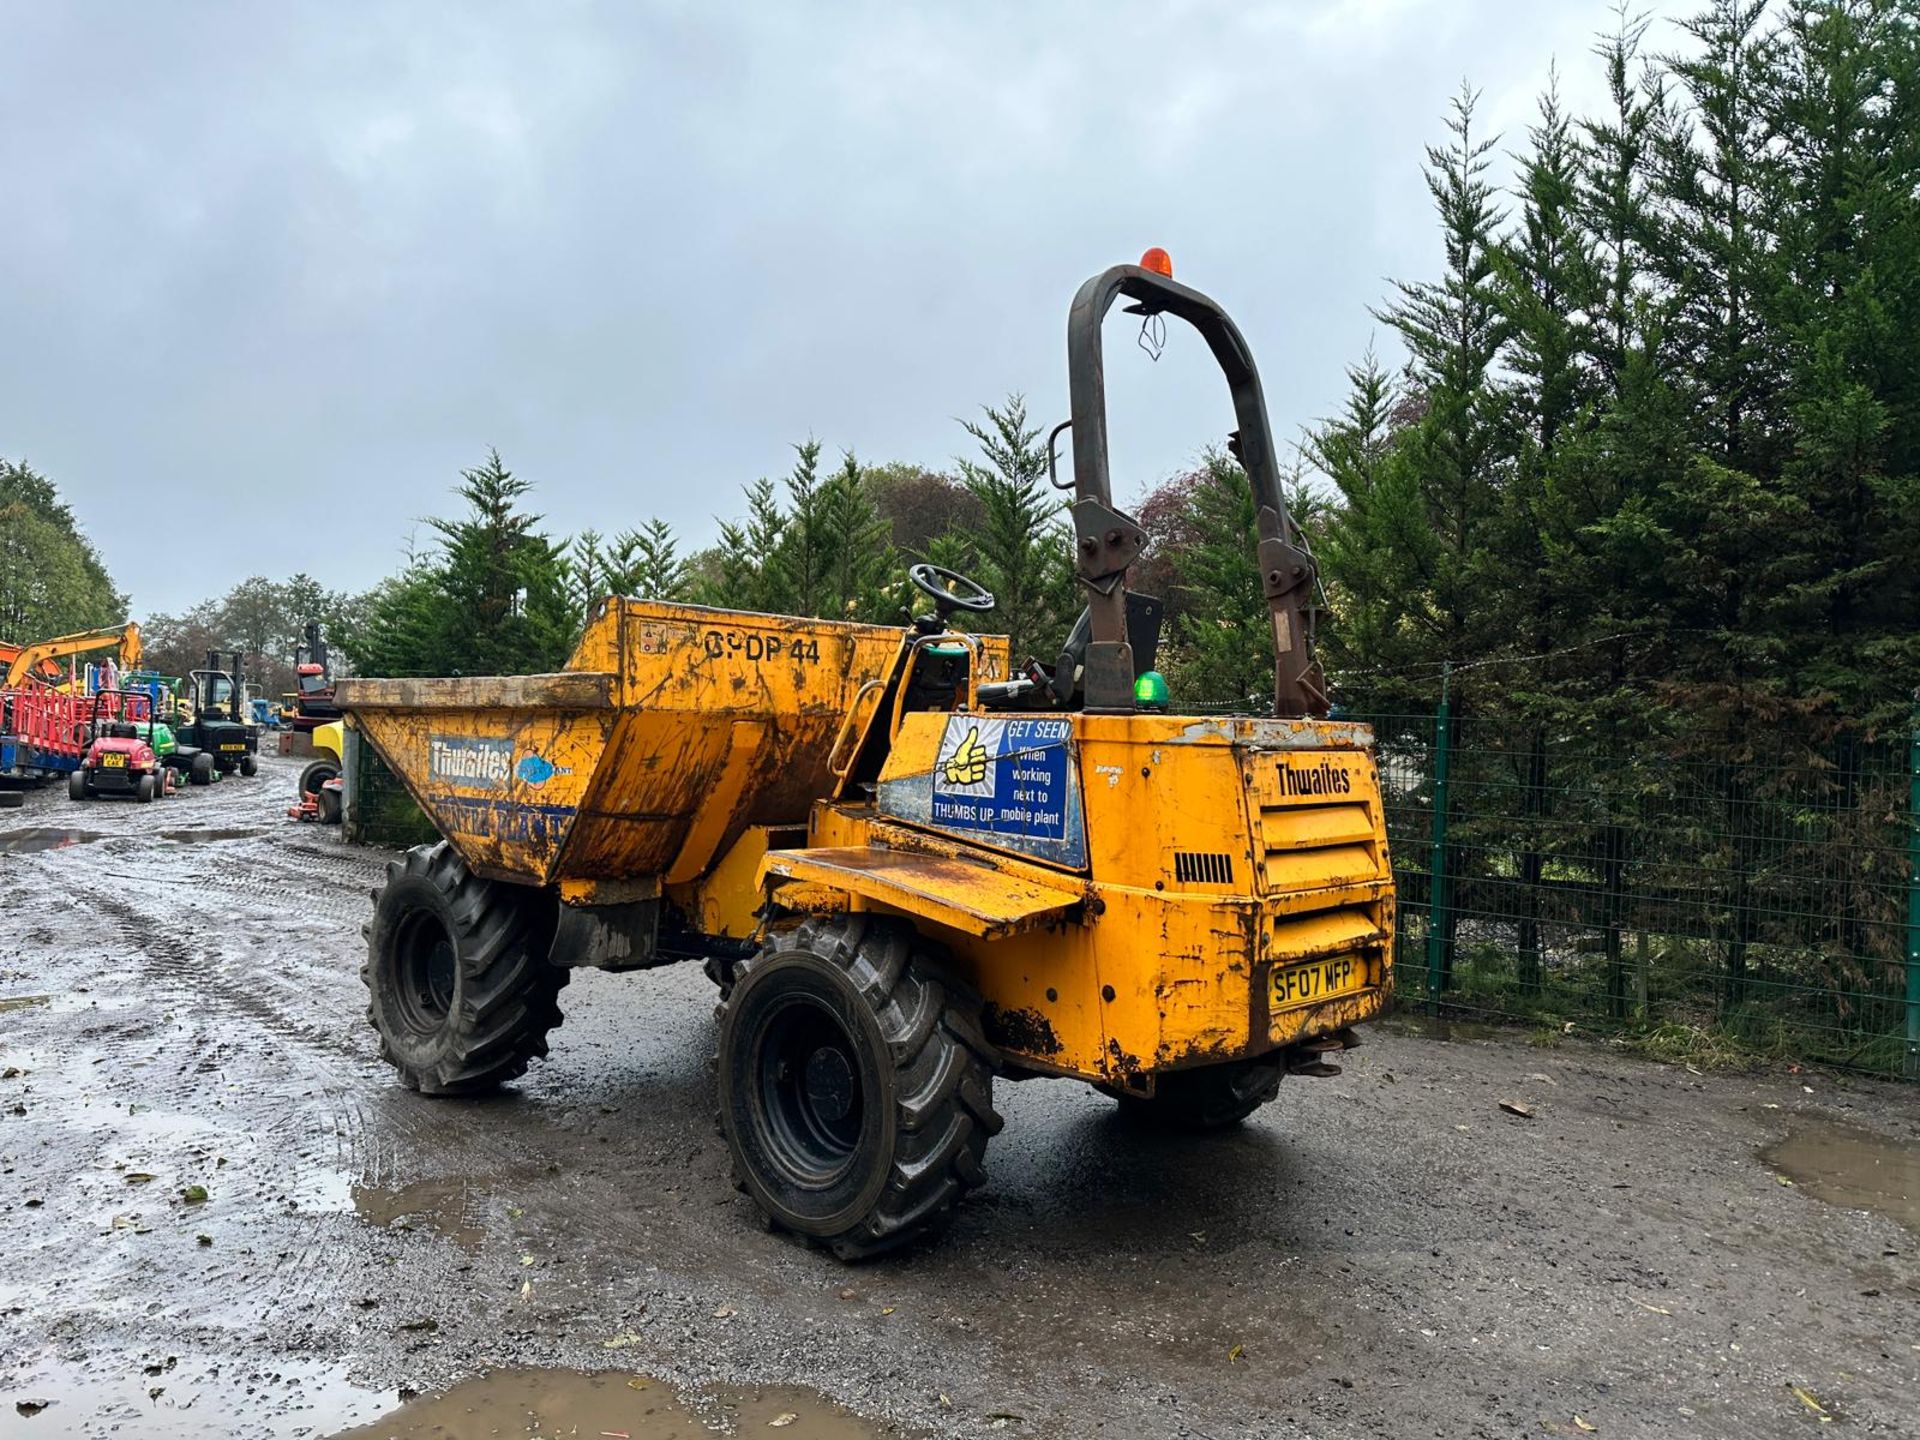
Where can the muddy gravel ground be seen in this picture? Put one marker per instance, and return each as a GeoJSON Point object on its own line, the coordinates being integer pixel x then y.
{"type": "Point", "coordinates": [219, 1216]}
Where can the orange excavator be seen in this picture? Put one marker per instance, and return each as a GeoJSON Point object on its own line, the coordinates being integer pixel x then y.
{"type": "Point", "coordinates": [35, 661]}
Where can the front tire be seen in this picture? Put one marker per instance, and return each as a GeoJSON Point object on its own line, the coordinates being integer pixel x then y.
{"type": "Point", "coordinates": [856, 1090]}
{"type": "Point", "coordinates": [1213, 1098]}
{"type": "Point", "coordinates": [462, 991]}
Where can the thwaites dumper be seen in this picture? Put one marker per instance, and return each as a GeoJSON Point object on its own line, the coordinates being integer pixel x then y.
{"type": "Point", "coordinates": [910, 871]}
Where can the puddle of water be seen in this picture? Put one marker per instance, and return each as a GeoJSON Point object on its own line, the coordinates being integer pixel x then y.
{"type": "Point", "coordinates": [628, 1407]}
{"type": "Point", "coordinates": [322, 1192]}
{"type": "Point", "coordinates": [35, 839]}
{"type": "Point", "coordinates": [1845, 1165]}
{"type": "Point", "coordinates": [165, 1397]}
{"type": "Point", "coordinates": [21, 1002]}
{"type": "Point", "coordinates": [440, 1205]}
{"type": "Point", "coordinates": [202, 837]}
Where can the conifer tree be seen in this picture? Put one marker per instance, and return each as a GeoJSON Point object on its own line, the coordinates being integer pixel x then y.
{"type": "Point", "coordinates": [749, 575]}
{"type": "Point", "coordinates": [800, 563]}
{"type": "Point", "coordinates": [1021, 552]}
{"type": "Point", "coordinates": [1453, 329]}
{"type": "Point", "coordinates": [860, 565]}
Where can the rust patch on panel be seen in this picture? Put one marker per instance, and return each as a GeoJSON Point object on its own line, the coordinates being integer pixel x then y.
{"type": "Point", "coordinates": [1025, 1032]}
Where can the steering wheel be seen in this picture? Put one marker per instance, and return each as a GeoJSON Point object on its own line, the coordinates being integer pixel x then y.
{"type": "Point", "coordinates": [970, 595]}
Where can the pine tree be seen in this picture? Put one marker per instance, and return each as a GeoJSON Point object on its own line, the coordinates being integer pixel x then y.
{"type": "Point", "coordinates": [1378, 553]}
{"type": "Point", "coordinates": [589, 571]}
{"type": "Point", "coordinates": [1224, 654]}
{"type": "Point", "coordinates": [860, 564]}
{"type": "Point", "coordinates": [494, 598]}
{"type": "Point", "coordinates": [1714, 250]}
{"type": "Point", "coordinates": [405, 620]}
{"type": "Point", "coordinates": [1548, 286]}
{"type": "Point", "coordinates": [1022, 552]}
{"type": "Point", "coordinates": [749, 575]}
{"type": "Point", "coordinates": [1616, 178]}
{"type": "Point", "coordinates": [1849, 174]}
{"type": "Point", "coordinates": [1454, 329]}
{"type": "Point", "coordinates": [801, 561]}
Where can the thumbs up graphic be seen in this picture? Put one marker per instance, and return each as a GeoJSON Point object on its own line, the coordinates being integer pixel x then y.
{"type": "Point", "coordinates": [968, 764]}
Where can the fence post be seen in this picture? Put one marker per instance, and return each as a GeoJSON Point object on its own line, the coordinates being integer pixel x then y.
{"type": "Point", "coordinates": [1913, 892]}
{"type": "Point", "coordinates": [352, 770]}
{"type": "Point", "coordinates": [1439, 897]}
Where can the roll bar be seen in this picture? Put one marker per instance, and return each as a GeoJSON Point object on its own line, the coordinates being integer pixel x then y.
{"type": "Point", "coordinates": [1106, 541]}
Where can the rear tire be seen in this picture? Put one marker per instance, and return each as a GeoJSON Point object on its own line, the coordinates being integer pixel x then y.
{"type": "Point", "coordinates": [462, 991]}
{"type": "Point", "coordinates": [317, 773]}
{"type": "Point", "coordinates": [328, 803]}
{"type": "Point", "coordinates": [856, 1089]}
{"type": "Point", "coordinates": [200, 772]}
{"type": "Point", "coordinates": [12, 799]}
{"type": "Point", "coordinates": [248, 765]}
{"type": "Point", "coordinates": [143, 790]}
{"type": "Point", "coordinates": [77, 785]}
{"type": "Point", "coordinates": [1214, 1098]}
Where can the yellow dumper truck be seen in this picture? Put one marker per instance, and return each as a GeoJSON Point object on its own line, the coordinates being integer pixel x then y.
{"type": "Point", "coordinates": [912, 869]}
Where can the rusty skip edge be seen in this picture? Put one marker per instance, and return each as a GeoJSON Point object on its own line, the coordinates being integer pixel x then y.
{"type": "Point", "coordinates": [1263, 734]}
{"type": "Point", "coordinates": [566, 690]}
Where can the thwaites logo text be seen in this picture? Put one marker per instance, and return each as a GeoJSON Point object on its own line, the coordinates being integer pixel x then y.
{"type": "Point", "coordinates": [464, 760]}
{"type": "Point", "coordinates": [1325, 778]}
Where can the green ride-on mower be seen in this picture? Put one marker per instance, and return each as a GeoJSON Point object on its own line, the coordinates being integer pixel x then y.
{"type": "Point", "coordinates": [214, 737]}
{"type": "Point", "coordinates": [125, 754]}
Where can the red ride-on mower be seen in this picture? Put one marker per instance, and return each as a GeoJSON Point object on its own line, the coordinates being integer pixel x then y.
{"type": "Point", "coordinates": [323, 805]}
{"type": "Point", "coordinates": [122, 758]}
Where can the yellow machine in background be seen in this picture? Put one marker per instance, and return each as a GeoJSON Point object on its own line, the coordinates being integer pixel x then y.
{"type": "Point", "coordinates": [911, 870]}
{"type": "Point", "coordinates": [316, 787]}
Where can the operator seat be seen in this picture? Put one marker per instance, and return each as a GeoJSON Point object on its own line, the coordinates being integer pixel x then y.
{"type": "Point", "coordinates": [1062, 687]}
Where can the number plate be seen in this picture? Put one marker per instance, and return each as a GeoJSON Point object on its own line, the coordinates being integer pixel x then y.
{"type": "Point", "coordinates": [241, 746]}
{"type": "Point", "coordinates": [113, 760]}
{"type": "Point", "coordinates": [1317, 980]}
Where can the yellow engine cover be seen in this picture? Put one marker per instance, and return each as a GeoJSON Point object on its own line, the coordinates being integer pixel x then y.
{"type": "Point", "coordinates": [1234, 888]}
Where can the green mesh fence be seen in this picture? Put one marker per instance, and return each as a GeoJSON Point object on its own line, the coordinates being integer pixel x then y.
{"type": "Point", "coordinates": [1696, 890]}
{"type": "Point", "coordinates": [379, 809]}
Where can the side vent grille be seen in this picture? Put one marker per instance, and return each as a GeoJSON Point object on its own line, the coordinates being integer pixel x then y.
{"type": "Point", "coordinates": [1200, 867]}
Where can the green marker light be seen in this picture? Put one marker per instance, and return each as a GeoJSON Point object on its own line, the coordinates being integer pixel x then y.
{"type": "Point", "coordinates": [1150, 690]}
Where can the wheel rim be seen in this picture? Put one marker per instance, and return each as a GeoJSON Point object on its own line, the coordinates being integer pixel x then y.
{"type": "Point", "coordinates": [812, 1105]}
{"type": "Point", "coordinates": [426, 971]}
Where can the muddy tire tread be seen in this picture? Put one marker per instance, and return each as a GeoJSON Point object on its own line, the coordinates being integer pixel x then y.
{"type": "Point", "coordinates": [943, 1068]}
{"type": "Point", "coordinates": [510, 993]}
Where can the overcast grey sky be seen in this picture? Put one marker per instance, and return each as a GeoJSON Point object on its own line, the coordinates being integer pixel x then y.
{"type": "Point", "coordinates": [276, 272]}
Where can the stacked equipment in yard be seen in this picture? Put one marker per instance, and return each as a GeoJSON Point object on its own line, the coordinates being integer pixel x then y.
{"type": "Point", "coordinates": [43, 736]}
{"type": "Point", "coordinates": [44, 727]}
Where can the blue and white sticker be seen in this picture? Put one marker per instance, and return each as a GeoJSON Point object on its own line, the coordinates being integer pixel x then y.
{"type": "Point", "coordinates": [1009, 782]}
{"type": "Point", "coordinates": [537, 769]}
{"type": "Point", "coordinates": [470, 761]}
